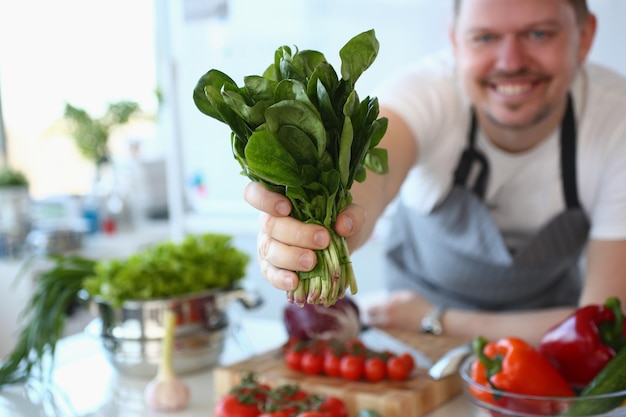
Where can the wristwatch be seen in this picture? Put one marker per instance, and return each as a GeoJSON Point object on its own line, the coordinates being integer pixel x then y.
{"type": "Point", "coordinates": [431, 323]}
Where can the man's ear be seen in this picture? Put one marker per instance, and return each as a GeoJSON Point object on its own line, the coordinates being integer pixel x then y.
{"type": "Point", "coordinates": [452, 37]}
{"type": "Point", "coordinates": [587, 35]}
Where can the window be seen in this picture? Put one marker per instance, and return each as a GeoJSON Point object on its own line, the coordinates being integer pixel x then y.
{"type": "Point", "coordinates": [85, 52]}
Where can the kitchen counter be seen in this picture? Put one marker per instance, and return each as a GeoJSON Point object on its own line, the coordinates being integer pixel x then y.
{"type": "Point", "coordinates": [86, 385]}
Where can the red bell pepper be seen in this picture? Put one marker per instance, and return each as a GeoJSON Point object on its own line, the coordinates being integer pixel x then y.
{"type": "Point", "coordinates": [514, 366]}
{"type": "Point", "coordinates": [583, 343]}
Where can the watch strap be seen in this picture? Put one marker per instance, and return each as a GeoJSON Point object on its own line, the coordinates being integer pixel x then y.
{"type": "Point", "coordinates": [431, 322]}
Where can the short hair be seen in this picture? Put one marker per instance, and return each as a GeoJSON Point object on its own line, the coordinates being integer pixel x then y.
{"type": "Point", "coordinates": [580, 7]}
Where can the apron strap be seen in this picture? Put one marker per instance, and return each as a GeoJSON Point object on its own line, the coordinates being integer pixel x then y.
{"type": "Point", "coordinates": [471, 156]}
{"type": "Point", "coordinates": [568, 156]}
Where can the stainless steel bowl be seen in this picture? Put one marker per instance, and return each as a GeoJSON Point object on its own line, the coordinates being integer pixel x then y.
{"type": "Point", "coordinates": [132, 333]}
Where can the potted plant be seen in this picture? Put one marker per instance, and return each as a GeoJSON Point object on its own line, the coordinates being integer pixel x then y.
{"type": "Point", "coordinates": [15, 222]}
{"type": "Point", "coordinates": [13, 178]}
{"type": "Point", "coordinates": [91, 136]}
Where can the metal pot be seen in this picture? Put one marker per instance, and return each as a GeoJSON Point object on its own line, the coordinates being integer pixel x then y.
{"type": "Point", "coordinates": [132, 333]}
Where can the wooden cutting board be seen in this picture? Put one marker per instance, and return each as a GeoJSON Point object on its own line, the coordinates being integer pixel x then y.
{"type": "Point", "coordinates": [414, 397]}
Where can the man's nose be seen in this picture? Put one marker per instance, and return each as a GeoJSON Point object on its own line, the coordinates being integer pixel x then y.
{"type": "Point", "coordinates": [511, 54]}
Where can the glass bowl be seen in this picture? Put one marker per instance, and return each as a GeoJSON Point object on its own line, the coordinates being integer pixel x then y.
{"type": "Point", "coordinates": [486, 401]}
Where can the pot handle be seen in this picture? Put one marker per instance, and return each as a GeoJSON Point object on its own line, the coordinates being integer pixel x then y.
{"type": "Point", "coordinates": [250, 299]}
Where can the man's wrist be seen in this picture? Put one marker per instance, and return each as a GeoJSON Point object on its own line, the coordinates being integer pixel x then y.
{"type": "Point", "coordinates": [431, 322]}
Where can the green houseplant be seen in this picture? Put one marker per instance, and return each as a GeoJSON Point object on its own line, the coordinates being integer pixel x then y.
{"type": "Point", "coordinates": [15, 206]}
{"type": "Point", "coordinates": [10, 177]}
{"type": "Point", "coordinates": [91, 134]}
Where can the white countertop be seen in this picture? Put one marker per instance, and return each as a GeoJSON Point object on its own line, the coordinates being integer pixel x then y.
{"type": "Point", "coordinates": [86, 385]}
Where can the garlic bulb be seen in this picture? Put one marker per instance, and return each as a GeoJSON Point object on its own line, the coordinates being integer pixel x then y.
{"type": "Point", "coordinates": [167, 392]}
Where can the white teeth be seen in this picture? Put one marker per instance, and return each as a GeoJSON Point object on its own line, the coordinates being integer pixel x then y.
{"type": "Point", "coordinates": [512, 89]}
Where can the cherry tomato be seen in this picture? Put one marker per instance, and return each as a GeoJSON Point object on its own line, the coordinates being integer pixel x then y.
{"type": "Point", "coordinates": [333, 407]}
{"type": "Point", "coordinates": [355, 347]}
{"type": "Point", "coordinates": [229, 406]}
{"type": "Point", "coordinates": [293, 358]}
{"type": "Point", "coordinates": [257, 390]}
{"type": "Point", "coordinates": [375, 369]}
{"type": "Point", "coordinates": [283, 399]}
{"type": "Point", "coordinates": [312, 363]}
{"type": "Point", "coordinates": [331, 364]}
{"type": "Point", "coordinates": [397, 368]}
{"type": "Point", "coordinates": [351, 367]}
{"type": "Point", "coordinates": [408, 358]}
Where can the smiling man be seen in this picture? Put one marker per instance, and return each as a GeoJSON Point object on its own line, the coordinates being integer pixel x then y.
{"type": "Point", "coordinates": [507, 164]}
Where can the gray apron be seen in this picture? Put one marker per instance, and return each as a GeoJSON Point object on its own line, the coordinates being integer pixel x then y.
{"type": "Point", "coordinates": [456, 255]}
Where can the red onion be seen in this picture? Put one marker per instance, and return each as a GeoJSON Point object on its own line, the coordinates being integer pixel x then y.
{"type": "Point", "coordinates": [340, 321]}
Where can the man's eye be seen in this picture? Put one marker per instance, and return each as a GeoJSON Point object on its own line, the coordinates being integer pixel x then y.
{"type": "Point", "coordinates": [538, 34]}
{"type": "Point", "coordinates": [486, 38]}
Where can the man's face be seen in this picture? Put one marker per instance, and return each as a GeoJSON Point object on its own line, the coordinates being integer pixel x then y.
{"type": "Point", "coordinates": [517, 58]}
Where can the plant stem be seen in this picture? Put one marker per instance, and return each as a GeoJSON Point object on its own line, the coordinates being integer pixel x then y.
{"type": "Point", "coordinates": [165, 368]}
{"type": "Point", "coordinates": [328, 281]}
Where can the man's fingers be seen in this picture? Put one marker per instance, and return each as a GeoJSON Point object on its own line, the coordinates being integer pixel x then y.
{"type": "Point", "coordinates": [285, 256]}
{"type": "Point", "coordinates": [349, 221]}
{"type": "Point", "coordinates": [293, 232]}
{"type": "Point", "coordinates": [265, 200]}
{"type": "Point", "coordinates": [278, 278]}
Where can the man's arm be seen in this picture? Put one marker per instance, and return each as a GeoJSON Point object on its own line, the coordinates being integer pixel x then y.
{"type": "Point", "coordinates": [605, 277]}
{"type": "Point", "coordinates": [606, 272]}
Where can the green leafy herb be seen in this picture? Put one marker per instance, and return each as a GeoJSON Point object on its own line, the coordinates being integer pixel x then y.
{"type": "Point", "coordinates": [198, 263]}
{"type": "Point", "coordinates": [304, 132]}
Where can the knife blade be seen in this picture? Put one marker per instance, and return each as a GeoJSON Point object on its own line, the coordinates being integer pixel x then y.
{"type": "Point", "coordinates": [378, 340]}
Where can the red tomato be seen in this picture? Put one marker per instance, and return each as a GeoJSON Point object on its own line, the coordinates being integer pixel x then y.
{"type": "Point", "coordinates": [333, 407]}
{"type": "Point", "coordinates": [312, 363]}
{"type": "Point", "coordinates": [375, 369]}
{"type": "Point", "coordinates": [397, 368]}
{"type": "Point", "coordinates": [409, 360]}
{"type": "Point", "coordinates": [311, 414]}
{"type": "Point", "coordinates": [356, 347]}
{"type": "Point", "coordinates": [258, 390]}
{"type": "Point", "coordinates": [229, 406]}
{"type": "Point", "coordinates": [331, 364]}
{"type": "Point", "coordinates": [351, 367]}
{"type": "Point", "coordinates": [293, 358]}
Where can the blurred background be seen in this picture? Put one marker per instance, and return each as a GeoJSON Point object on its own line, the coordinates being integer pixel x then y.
{"type": "Point", "coordinates": [168, 170]}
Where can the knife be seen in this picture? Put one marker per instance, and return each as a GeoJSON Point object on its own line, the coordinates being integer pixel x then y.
{"type": "Point", "coordinates": [450, 362]}
{"type": "Point", "coordinates": [378, 340]}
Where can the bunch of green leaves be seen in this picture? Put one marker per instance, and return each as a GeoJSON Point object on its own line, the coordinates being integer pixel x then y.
{"type": "Point", "coordinates": [10, 177]}
{"type": "Point", "coordinates": [92, 134]}
{"type": "Point", "coordinates": [198, 263]}
{"type": "Point", "coordinates": [56, 290]}
{"type": "Point", "coordinates": [304, 132]}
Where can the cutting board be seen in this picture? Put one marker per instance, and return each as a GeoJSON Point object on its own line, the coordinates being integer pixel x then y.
{"type": "Point", "coordinates": [414, 397]}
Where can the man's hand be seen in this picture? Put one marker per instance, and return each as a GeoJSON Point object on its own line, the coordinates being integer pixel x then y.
{"type": "Point", "coordinates": [286, 244]}
{"type": "Point", "coordinates": [401, 310]}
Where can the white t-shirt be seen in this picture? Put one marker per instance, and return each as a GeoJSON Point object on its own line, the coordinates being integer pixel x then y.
{"type": "Point", "coordinates": [524, 189]}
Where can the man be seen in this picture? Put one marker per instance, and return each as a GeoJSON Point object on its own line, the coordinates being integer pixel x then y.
{"type": "Point", "coordinates": [505, 165]}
